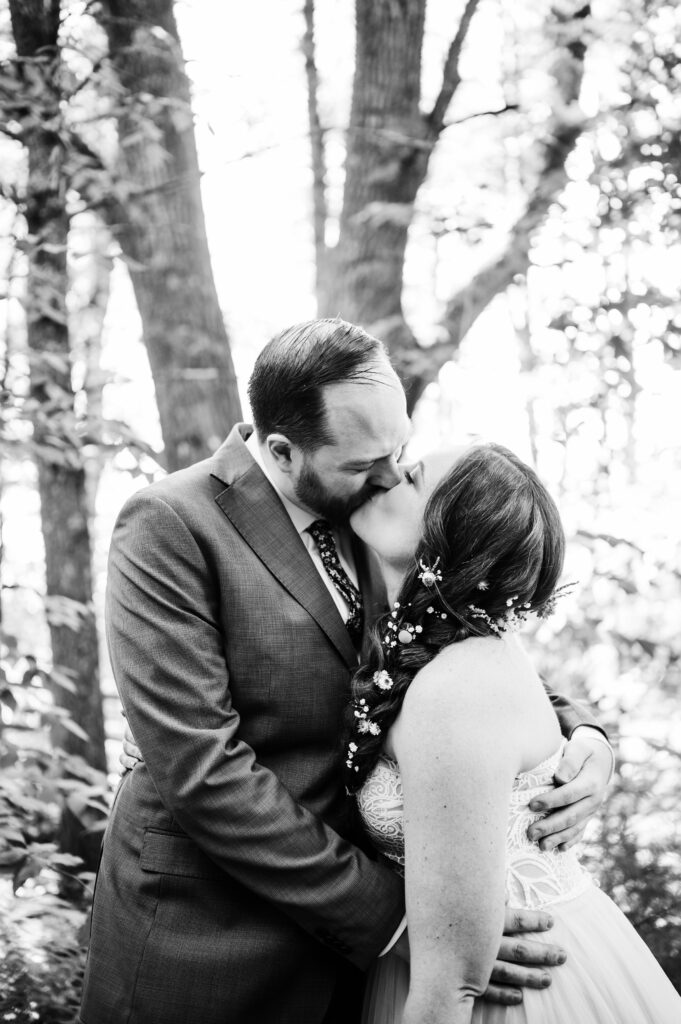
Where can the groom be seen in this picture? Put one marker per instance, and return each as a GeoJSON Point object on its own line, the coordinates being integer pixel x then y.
{"type": "Point", "coordinates": [234, 887]}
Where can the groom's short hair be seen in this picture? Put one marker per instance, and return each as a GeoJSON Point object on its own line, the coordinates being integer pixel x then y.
{"type": "Point", "coordinates": [285, 389]}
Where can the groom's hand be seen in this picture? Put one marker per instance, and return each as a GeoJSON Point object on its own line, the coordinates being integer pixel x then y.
{"type": "Point", "coordinates": [581, 781]}
{"type": "Point", "coordinates": [520, 960]}
{"type": "Point", "coordinates": [131, 753]}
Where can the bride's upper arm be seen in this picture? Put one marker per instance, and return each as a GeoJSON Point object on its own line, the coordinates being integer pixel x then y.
{"type": "Point", "coordinates": [458, 753]}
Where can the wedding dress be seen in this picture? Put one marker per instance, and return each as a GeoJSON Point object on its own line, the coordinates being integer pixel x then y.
{"type": "Point", "coordinates": [610, 976]}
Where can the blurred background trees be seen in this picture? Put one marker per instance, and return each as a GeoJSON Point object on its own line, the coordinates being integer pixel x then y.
{"type": "Point", "coordinates": [493, 191]}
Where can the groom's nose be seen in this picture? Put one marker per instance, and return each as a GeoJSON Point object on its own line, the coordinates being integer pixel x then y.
{"type": "Point", "coordinates": [386, 473]}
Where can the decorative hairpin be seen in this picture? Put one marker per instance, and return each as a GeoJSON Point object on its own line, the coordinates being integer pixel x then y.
{"type": "Point", "coordinates": [430, 575]}
{"type": "Point", "coordinates": [399, 632]}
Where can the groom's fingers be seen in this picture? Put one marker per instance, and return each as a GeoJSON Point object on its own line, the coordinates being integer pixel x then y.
{"type": "Point", "coordinates": [504, 996]}
{"type": "Point", "coordinates": [515, 953]}
{"type": "Point", "coordinates": [565, 795]}
{"type": "Point", "coordinates": [131, 750]}
{"type": "Point", "coordinates": [554, 829]}
{"type": "Point", "coordinates": [127, 763]}
{"type": "Point", "coordinates": [569, 837]}
{"type": "Point", "coordinates": [511, 975]}
{"type": "Point", "coordinates": [518, 920]}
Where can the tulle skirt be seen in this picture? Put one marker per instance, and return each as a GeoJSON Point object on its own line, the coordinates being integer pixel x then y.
{"type": "Point", "coordinates": [610, 976]}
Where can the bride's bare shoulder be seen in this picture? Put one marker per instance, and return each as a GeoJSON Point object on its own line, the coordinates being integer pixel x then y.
{"type": "Point", "coordinates": [476, 671]}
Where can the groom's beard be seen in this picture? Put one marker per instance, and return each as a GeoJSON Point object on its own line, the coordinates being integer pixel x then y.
{"type": "Point", "coordinates": [311, 491]}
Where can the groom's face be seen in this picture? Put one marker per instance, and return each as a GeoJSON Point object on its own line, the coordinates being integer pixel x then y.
{"type": "Point", "coordinates": [369, 427]}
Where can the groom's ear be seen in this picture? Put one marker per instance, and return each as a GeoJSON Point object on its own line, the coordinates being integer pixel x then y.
{"type": "Point", "coordinates": [280, 448]}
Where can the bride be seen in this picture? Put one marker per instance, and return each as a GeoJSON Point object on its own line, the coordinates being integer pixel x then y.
{"type": "Point", "coordinates": [453, 737]}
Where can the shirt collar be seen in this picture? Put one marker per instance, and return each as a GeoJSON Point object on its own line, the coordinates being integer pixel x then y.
{"type": "Point", "coordinates": [298, 516]}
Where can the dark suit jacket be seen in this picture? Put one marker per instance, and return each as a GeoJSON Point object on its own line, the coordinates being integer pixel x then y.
{"type": "Point", "coordinates": [232, 887]}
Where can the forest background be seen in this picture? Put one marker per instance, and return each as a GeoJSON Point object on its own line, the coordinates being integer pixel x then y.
{"type": "Point", "coordinates": [491, 188]}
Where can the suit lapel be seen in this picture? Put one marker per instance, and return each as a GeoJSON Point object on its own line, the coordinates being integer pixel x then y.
{"type": "Point", "coordinates": [252, 506]}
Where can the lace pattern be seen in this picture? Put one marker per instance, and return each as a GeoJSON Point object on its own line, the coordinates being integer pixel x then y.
{"type": "Point", "coordinates": [534, 878]}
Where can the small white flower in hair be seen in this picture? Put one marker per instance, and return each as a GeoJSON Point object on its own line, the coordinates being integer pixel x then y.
{"type": "Point", "coordinates": [382, 680]}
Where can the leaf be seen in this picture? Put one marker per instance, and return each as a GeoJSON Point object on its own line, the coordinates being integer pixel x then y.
{"type": "Point", "coordinates": [62, 678]}
{"type": "Point", "coordinates": [8, 699]}
{"type": "Point", "coordinates": [31, 869]}
{"type": "Point", "coordinates": [65, 860]}
{"type": "Point", "coordinates": [9, 857]}
{"type": "Point", "coordinates": [74, 728]}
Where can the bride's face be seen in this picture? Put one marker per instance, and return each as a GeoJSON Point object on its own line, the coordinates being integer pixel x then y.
{"type": "Point", "coordinates": [390, 522]}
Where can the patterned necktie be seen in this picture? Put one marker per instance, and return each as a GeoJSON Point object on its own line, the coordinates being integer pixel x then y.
{"type": "Point", "coordinates": [321, 533]}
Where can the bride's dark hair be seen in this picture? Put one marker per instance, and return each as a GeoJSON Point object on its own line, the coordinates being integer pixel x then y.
{"type": "Point", "coordinates": [500, 543]}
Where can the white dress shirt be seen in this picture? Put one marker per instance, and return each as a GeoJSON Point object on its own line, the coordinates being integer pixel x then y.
{"type": "Point", "coordinates": [301, 520]}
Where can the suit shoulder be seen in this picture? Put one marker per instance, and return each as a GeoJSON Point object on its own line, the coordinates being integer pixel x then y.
{"type": "Point", "coordinates": [181, 490]}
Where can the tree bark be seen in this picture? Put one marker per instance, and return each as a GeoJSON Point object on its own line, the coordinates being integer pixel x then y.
{"type": "Point", "coordinates": [61, 479]}
{"type": "Point", "coordinates": [388, 150]}
{"type": "Point", "coordinates": [163, 233]}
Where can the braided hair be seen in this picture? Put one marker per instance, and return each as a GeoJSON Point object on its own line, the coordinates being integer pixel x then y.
{"type": "Point", "coordinates": [496, 535]}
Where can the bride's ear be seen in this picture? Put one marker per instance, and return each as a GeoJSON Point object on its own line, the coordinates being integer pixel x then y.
{"type": "Point", "coordinates": [280, 449]}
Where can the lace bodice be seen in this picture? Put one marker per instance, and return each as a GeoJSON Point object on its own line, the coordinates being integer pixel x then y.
{"type": "Point", "coordinates": [534, 878]}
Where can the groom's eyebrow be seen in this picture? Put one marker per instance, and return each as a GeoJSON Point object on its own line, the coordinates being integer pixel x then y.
{"type": "Point", "coordinates": [369, 461]}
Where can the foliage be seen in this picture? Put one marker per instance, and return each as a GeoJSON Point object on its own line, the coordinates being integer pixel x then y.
{"type": "Point", "coordinates": [42, 984]}
{"type": "Point", "coordinates": [616, 645]}
{"type": "Point", "coordinates": [642, 876]}
{"type": "Point", "coordinates": [47, 799]}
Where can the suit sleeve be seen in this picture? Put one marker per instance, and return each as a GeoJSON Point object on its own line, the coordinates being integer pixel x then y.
{"type": "Point", "coordinates": [169, 663]}
{"type": "Point", "coordinates": [571, 714]}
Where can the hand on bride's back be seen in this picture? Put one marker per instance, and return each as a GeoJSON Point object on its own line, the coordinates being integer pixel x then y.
{"type": "Point", "coordinates": [521, 961]}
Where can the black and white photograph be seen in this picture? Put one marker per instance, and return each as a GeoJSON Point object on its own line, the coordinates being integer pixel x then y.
{"type": "Point", "coordinates": [340, 491]}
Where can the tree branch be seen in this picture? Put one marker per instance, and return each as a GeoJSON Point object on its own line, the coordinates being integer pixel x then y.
{"type": "Point", "coordinates": [450, 73]}
{"type": "Point", "coordinates": [481, 113]}
{"type": "Point", "coordinates": [466, 305]}
{"type": "Point", "coordinates": [319, 203]}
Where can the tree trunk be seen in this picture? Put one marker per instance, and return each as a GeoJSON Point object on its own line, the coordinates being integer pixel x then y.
{"type": "Point", "coordinates": [388, 150]}
{"type": "Point", "coordinates": [61, 479]}
{"type": "Point", "coordinates": [163, 233]}
{"type": "Point", "coordinates": [386, 157]}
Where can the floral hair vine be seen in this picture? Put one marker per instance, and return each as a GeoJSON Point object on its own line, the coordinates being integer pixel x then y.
{"type": "Point", "coordinates": [399, 630]}
{"type": "Point", "coordinates": [549, 606]}
{"type": "Point", "coordinates": [516, 615]}
{"type": "Point", "coordinates": [364, 723]}
{"type": "Point", "coordinates": [381, 681]}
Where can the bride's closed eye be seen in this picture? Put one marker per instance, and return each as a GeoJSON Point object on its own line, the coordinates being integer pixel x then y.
{"type": "Point", "coordinates": [411, 474]}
